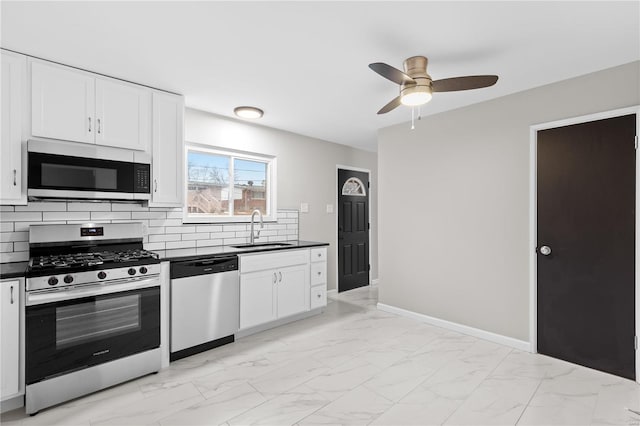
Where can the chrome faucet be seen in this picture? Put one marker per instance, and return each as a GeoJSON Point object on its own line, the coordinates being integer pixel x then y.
{"type": "Point", "coordinates": [253, 237]}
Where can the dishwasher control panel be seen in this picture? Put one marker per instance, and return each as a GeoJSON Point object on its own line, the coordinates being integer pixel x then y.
{"type": "Point", "coordinates": [209, 265]}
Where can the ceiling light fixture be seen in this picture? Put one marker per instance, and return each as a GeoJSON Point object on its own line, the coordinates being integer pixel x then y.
{"type": "Point", "coordinates": [248, 112]}
{"type": "Point", "coordinates": [415, 95]}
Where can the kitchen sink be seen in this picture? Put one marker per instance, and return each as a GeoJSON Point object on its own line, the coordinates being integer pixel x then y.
{"type": "Point", "coordinates": [261, 245]}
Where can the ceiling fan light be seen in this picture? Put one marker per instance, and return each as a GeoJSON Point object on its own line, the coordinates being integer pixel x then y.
{"type": "Point", "coordinates": [248, 112]}
{"type": "Point", "coordinates": [415, 98]}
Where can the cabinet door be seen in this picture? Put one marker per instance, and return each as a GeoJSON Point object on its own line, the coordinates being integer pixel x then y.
{"type": "Point", "coordinates": [9, 338]}
{"type": "Point", "coordinates": [123, 115]}
{"type": "Point", "coordinates": [293, 290]}
{"type": "Point", "coordinates": [167, 150]}
{"type": "Point", "coordinates": [62, 103]}
{"type": "Point", "coordinates": [257, 298]}
{"type": "Point", "coordinates": [14, 68]}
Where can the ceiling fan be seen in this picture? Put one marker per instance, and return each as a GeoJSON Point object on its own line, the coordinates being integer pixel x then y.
{"type": "Point", "coordinates": [416, 85]}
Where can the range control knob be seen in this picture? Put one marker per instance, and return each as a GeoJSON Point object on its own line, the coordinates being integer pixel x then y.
{"type": "Point", "coordinates": [68, 279]}
{"type": "Point", "coordinates": [102, 275]}
{"type": "Point", "coordinates": [143, 270]}
{"type": "Point", "coordinates": [53, 281]}
{"type": "Point", "coordinates": [131, 271]}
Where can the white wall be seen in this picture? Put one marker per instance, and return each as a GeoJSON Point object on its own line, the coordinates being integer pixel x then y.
{"type": "Point", "coordinates": [306, 172]}
{"type": "Point", "coordinates": [454, 201]}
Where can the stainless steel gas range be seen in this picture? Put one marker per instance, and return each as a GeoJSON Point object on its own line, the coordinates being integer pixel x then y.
{"type": "Point", "coordinates": [92, 310]}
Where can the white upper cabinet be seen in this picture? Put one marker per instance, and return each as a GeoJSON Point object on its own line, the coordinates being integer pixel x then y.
{"type": "Point", "coordinates": [167, 150]}
{"type": "Point", "coordinates": [62, 103]}
{"type": "Point", "coordinates": [123, 115]}
{"type": "Point", "coordinates": [78, 106]}
{"type": "Point", "coordinates": [12, 95]}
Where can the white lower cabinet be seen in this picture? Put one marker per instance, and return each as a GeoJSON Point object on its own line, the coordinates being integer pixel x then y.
{"type": "Point", "coordinates": [273, 286]}
{"type": "Point", "coordinates": [10, 338]}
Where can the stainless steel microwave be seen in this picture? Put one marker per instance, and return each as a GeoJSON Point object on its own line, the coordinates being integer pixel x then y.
{"type": "Point", "coordinates": [74, 171]}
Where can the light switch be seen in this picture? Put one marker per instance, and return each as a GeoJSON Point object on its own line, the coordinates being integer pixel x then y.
{"type": "Point", "coordinates": [304, 207]}
{"type": "Point", "coordinates": [329, 208]}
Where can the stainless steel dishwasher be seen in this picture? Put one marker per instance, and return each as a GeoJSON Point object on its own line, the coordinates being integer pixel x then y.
{"type": "Point", "coordinates": [205, 304]}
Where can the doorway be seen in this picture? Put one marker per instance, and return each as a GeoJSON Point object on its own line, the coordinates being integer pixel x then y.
{"type": "Point", "coordinates": [353, 229]}
{"type": "Point", "coordinates": [585, 239]}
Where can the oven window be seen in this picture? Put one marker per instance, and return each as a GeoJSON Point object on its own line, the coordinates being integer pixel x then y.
{"type": "Point", "coordinates": [97, 319]}
{"type": "Point", "coordinates": [72, 176]}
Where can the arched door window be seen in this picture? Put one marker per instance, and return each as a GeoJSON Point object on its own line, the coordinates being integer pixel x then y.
{"type": "Point", "coordinates": [354, 187]}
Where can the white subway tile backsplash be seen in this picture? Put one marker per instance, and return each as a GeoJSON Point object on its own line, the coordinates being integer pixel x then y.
{"type": "Point", "coordinates": [43, 206]}
{"type": "Point", "coordinates": [21, 246]}
{"type": "Point", "coordinates": [128, 207]}
{"type": "Point", "coordinates": [88, 207]}
{"type": "Point", "coordinates": [156, 238]}
{"type": "Point", "coordinates": [109, 215]}
{"type": "Point", "coordinates": [209, 228]}
{"type": "Point", "coordinates": [180, 244]}
{"type": "Point", "coordinates": [24, 226]}
{"type": "Point", "coordinates": [21, 217]}
{"type": "Point", "coordinates": [13, 236]}
{"type": "Point", "coordinates": [208, 243]}
{"type": "Point", "coordinates": [66, 216]}
{"type": "Point", "coordinates": [154, 246]}
{"type": "Point", "coordinates": [148, 215]}
{"type": "Point", "coordinates": [179, 229]}
{"type": "Point", "coordinates": [196, 236]}
{"type": "Point", "coordinates": [164, 227]}
{"type": "Point", "coordinates": [14, 256]}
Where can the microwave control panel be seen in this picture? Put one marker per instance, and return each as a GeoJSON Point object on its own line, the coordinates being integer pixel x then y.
{"type": "Point", "coordinates": [142, 176]}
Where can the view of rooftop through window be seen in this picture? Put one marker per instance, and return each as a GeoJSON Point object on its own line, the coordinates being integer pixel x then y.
{"type": "Point", "coordinates": [225, 185]}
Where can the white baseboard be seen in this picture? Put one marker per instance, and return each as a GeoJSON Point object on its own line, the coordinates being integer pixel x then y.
{"type": "Point", "coordinates": [332, 291]}
{"type": "Point", "coordinates": [460, 328]}
{"type": "Point", "coordinates": [375, 282]}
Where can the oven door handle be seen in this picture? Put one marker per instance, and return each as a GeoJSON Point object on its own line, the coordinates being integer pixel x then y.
{"type": "Point", "coordinates": [39, 297]}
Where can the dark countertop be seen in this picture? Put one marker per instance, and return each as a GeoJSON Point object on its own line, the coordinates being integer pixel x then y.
{"type": "Point", "coordinates": [203, 252]}
{"type": "Point", "coordinates": [13, 270]}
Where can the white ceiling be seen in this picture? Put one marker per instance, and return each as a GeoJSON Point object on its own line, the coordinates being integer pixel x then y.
{"type": "Point", "coordinates": [305, 63]}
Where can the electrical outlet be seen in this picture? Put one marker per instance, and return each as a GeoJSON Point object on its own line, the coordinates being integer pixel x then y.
{"type": "Point", "coordinates": [304, 207]}
{"type": "Point", "coordinates": [329, 208]}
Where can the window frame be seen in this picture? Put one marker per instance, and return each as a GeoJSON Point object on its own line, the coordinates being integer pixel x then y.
{"type": "Point", "coordinates": [270, 185]}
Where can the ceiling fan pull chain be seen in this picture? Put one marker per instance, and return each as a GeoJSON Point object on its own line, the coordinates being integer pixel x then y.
{"type": "Point", "coordinates": [419, 113]}
{"type": "Point", "coordinates": [413, 126]}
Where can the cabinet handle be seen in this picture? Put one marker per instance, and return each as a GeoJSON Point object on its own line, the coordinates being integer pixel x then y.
{"type": "Point", "coordinates": [14, 177]}
{"type": "Point", "coordinates": [280, 276]}
{"type": "Point", "coordinates": [99, 127]}
{"type": "Point", "coordinates": [319, 273]}
{"type": "Point", "coordinates": [155, 185]}
{"type": "Point", "coordinates": [275, 278]}
{"type": "Point", "coordinates": [89, 124]}
{"type": "Point", "coordinates": [12, 295]}
{"type": "Point", "coordinates": [318, 295]}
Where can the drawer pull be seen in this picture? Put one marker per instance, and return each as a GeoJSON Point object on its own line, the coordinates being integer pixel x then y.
{"type": "Point", "coordinates": [12, 295]}
{"type": "Point", "coordinates": [318, 295]}
{"type": "Point", "coordinates": [319, 273]}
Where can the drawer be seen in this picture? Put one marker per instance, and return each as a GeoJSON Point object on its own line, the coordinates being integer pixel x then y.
{"type": "Point", "coordinates": [272, 260]}
{"type": "Point", "coordinates": [318, 296]}
{"type": "Point", "coordinates": [318, 273]}
{"type": "Point", "coordinates": [319, 254]}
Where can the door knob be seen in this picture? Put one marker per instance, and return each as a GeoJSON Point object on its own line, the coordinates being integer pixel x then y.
{"type": "Point", "coordinates": [545, 250]}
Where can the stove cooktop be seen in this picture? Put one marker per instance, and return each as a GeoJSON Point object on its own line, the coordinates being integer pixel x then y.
{"type": "Point", "coordinates": [75, 262]}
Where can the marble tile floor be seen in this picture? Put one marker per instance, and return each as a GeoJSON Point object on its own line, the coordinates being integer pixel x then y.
{"type": "Point", "coordinates": [355, 365]}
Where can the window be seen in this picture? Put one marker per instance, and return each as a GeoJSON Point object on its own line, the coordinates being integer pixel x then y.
{"type": "Point", "coordinates": [227, 186]}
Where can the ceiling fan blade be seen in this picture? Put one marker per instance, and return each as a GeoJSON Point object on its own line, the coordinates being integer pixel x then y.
{"type": "Point", "coordinates": [391, 73]}
{"type": "Point", "coordinates": [390, 106]}
{"type": "Point", "coordinates": [464, 83]}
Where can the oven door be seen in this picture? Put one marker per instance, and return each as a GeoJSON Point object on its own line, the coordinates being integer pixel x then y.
{"type": "Point", "coordinates": [68, 335]}
{"type": "Point", "coordinates": [64, 176]}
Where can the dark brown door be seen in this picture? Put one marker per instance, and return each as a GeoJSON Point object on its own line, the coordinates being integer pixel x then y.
{"type": "Point", "coordinates": [353, 229]}
{"type": "Point", "coordinates": [586, 244]}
